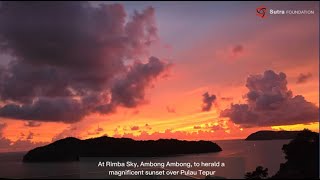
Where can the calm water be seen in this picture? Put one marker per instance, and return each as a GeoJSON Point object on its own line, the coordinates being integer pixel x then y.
{"type": "Point", "coordinates": [265, 153]}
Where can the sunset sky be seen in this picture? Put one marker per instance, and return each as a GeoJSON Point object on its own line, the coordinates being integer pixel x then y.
{"type": "Point", "coordinates": [150, 70]}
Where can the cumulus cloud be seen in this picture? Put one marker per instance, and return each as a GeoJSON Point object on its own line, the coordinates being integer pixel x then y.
{"type": "Point", "coordinates": [4, 142]}
{"type": "Point", "coordinates": [207, 101]}
{"type": "Point", "coordinates": [237, 49]}
{"type": "Point", "coordinates": [270, 103]}
{"type": "Point", "coordinates": [169, 134]}
{"type": "Point", "coordinates": [214, 126]}
{"type": "Point", "coordinates": [302, 78]}
{"type": "Point", "coordinates": [96, 131]}
{"type": "Point", "coordinates": [226, 98]}
{"type": "Point", "coordinates": [70, 131]}
{"type": "Point", "coordinates": [22, 135]}
{"type": "Point", "coordinates": [99, 129]}
{"type": "Point", "coordinates": [129, 91]}
{"type": "Point", "coordinates": [46, 109]}
{"type": "Point", "coordinates": [231, 52]}
{"type": "Point", "coordinates": [2, 139]}
{"type": "Point", "coordinates": [197, 127]}
{"type": "Point", "coordinates": [70, 59]}
{"type": "Point", "coordinates": [30, 136]}
{"type": "Point", "coordinates": [147, 127]}
{"type": "Point", "coordinates": [2, 126]}
{"type": "Point", "coordinates": [19, 145]}
{"type": "Point", "coordinates": [135, 128]}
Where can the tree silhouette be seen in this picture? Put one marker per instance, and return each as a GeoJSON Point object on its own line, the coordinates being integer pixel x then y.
{"type": "Point", "coordinates": [259, 173]}
{"type": "Point", "coordinates": [302, 155]}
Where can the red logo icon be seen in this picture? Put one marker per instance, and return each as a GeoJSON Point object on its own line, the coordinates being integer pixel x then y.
{"type": "Point", "coordinates": [261, 11]}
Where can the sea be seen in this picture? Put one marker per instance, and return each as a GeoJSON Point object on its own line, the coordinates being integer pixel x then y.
{"type": "Point", "coordinates": [268, 154]}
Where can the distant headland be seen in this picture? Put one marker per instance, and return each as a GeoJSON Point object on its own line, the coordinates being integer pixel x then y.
{"type": "Point", "coordinates": [272, 135]}
{"type": "Point", "coordinates": [70, 149]}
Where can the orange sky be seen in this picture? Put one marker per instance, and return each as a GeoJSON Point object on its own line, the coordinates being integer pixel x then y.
{"type": "Point", "coordinates": [203, 61]}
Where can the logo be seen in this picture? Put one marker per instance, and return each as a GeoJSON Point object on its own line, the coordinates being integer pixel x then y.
{"type": "Point", "coordinates": [261, 11]}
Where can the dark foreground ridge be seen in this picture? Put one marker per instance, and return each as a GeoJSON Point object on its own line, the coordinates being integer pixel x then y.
{"type": "Point", "coordinates": [272, 135]}
{"type": "Point", "coordinates": [302, 155]}
{"type": "Point", "coordinates": [70, 149]}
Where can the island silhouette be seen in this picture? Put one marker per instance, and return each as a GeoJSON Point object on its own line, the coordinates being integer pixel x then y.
{"type": "Point", "coordinates": [70, 149]}
{"type": "Point", "coordinates": [272, 135]}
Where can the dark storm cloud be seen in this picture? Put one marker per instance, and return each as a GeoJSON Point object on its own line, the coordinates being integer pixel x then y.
{"type": "Point", "coordinates": [62, 109]}
{"type": "Point", "coordinates": [207, 101]}
{"type": "Point", "coordinates": [270, 103]}
{"type": "Point", "coordinates": [70, 59]}
{"type": "Point", "coordinates": [129, 91]}
{"type": "Point", "coordinates": [302, 78]}
{"type": "Point", "coordinates": [23, 82]}
{"type": "Point", "coordinates": [32, 124]}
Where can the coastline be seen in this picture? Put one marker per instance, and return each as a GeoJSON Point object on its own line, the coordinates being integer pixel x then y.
{"type": "Point", "coordinates": [250, 150]}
